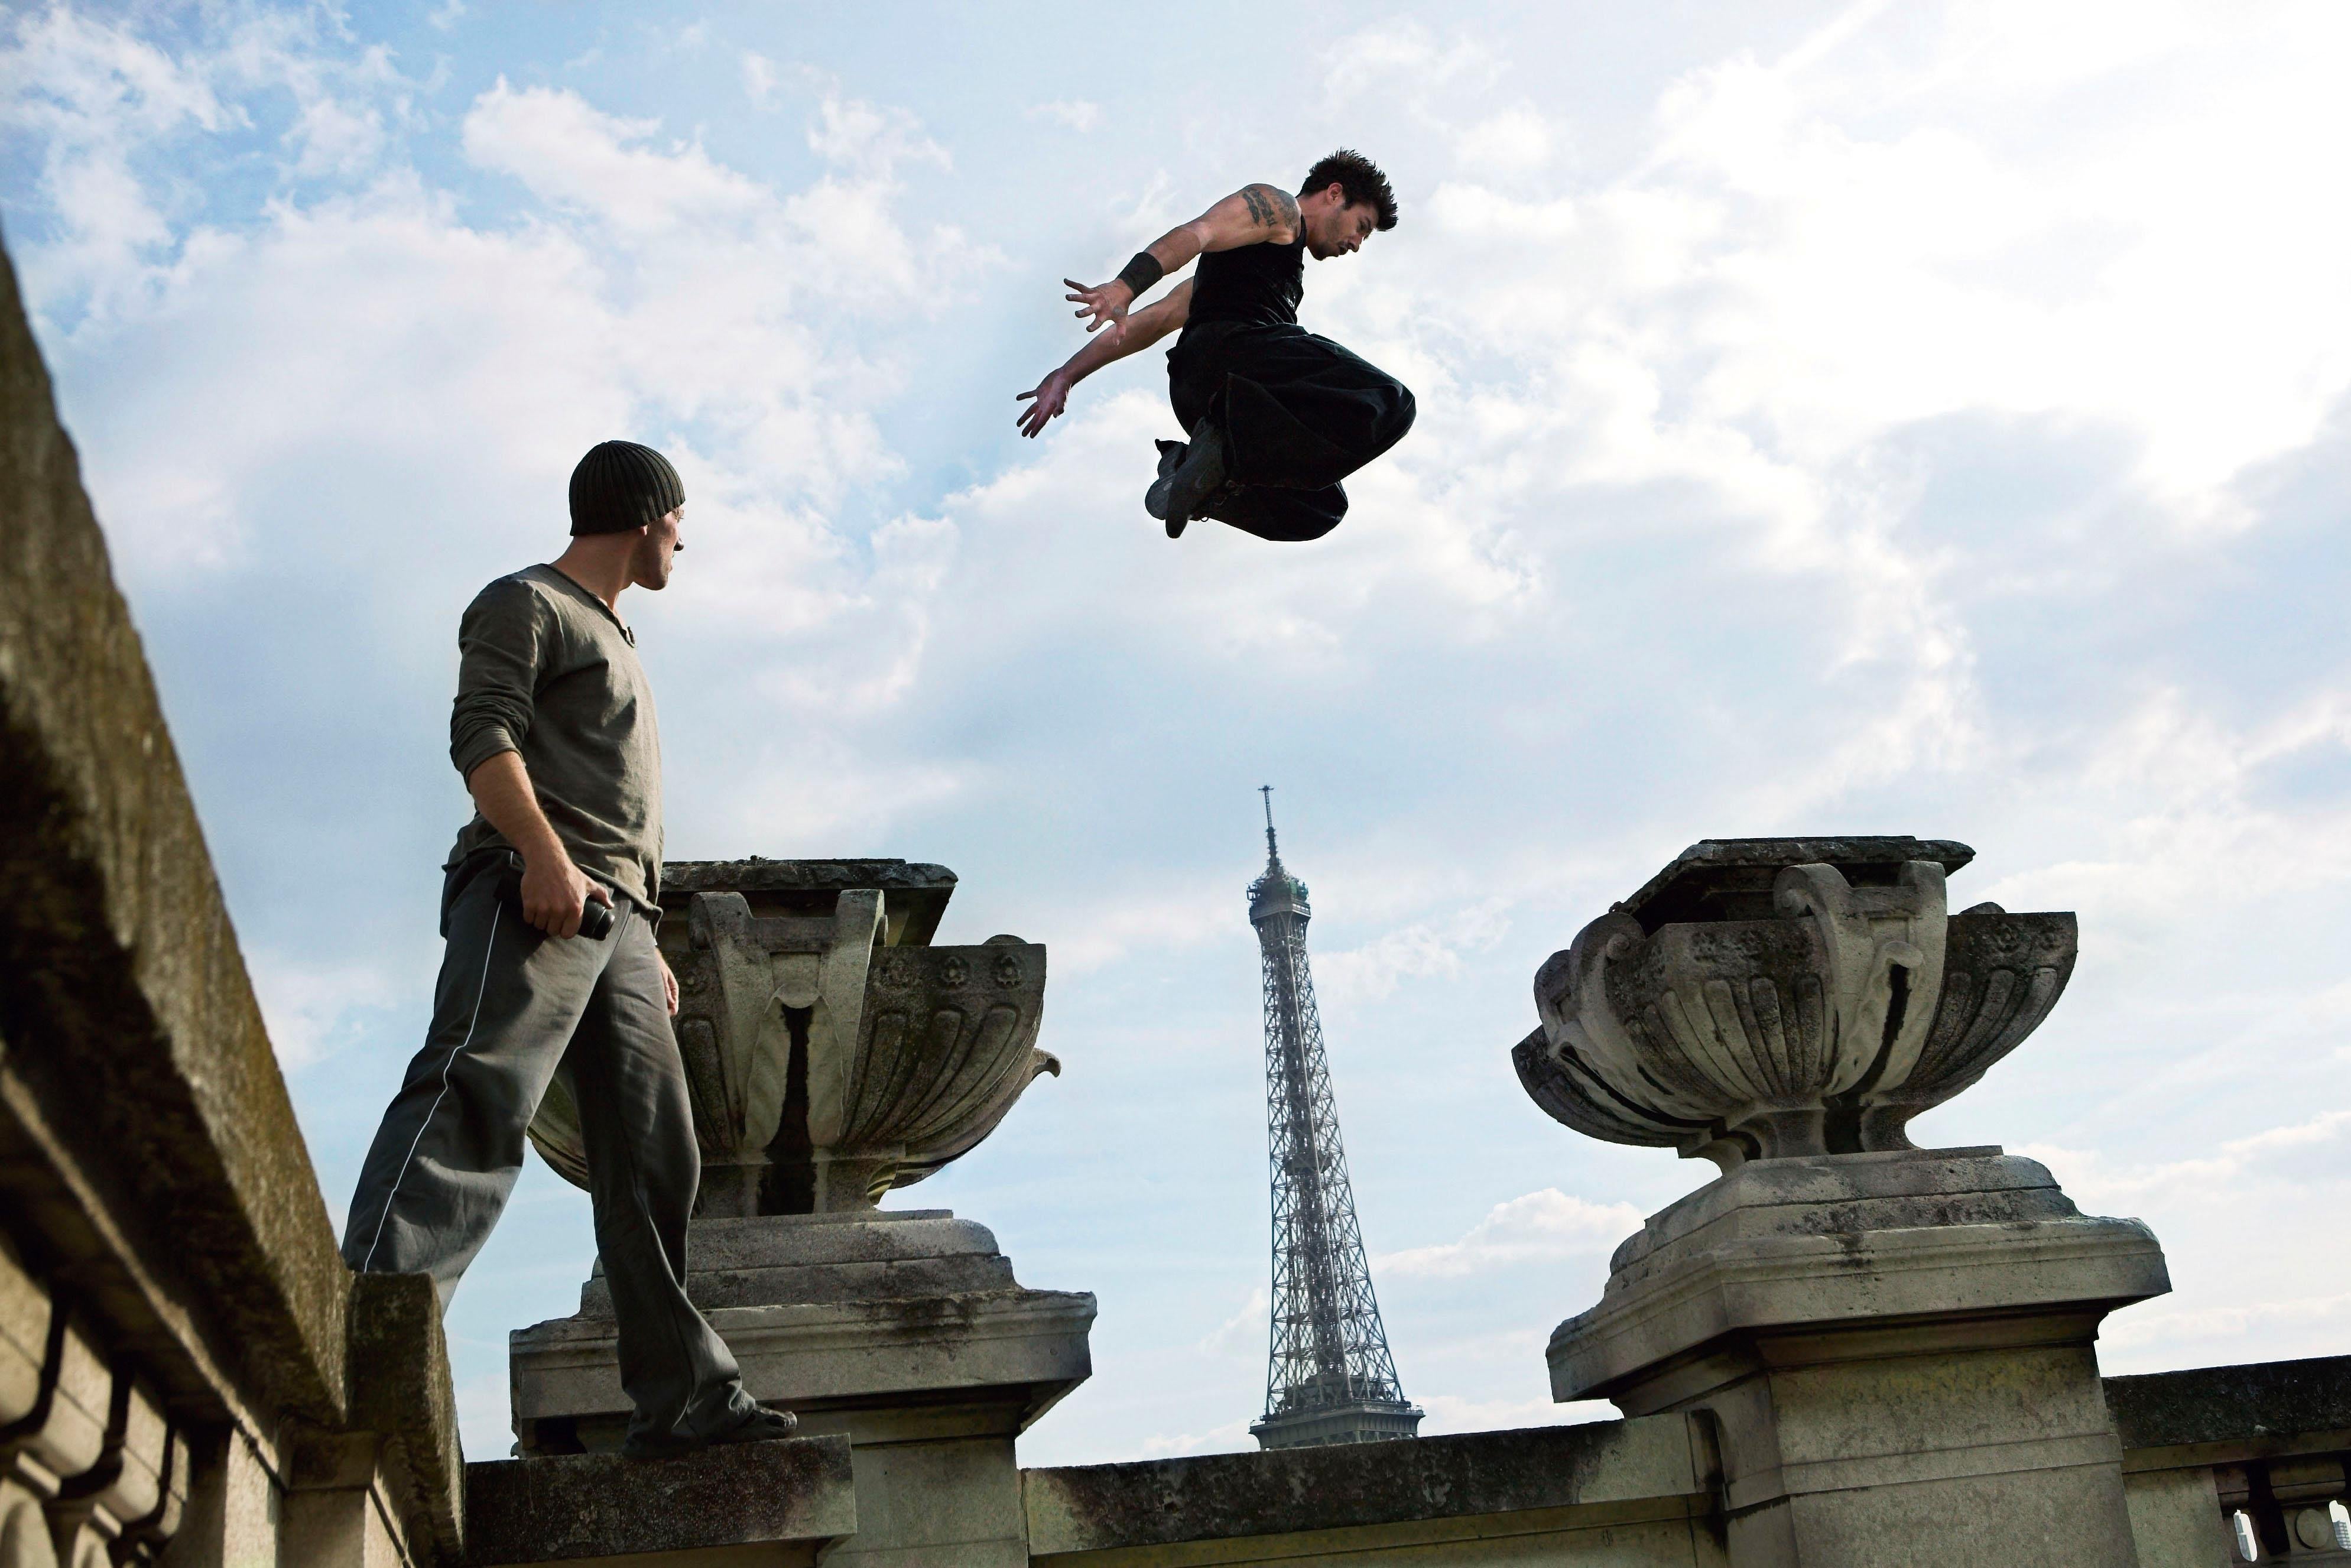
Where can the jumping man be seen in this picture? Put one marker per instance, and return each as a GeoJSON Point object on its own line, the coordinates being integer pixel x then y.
{"type": "Point", "coordinates": [1277, 416]}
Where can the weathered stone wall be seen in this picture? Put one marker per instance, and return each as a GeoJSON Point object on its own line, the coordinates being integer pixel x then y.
{"type": "Point", "coordinates": [185, 1366]}
{"type": "Point", "coordinates": [2215, 1450]}
{"type": "Point", "coordinates": [1628, 1494]}
{"type": "Point", "coordinates": [2270, 1441]}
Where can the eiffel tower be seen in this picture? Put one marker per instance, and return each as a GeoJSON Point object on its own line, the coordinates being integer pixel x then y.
{"type": "Point", "coordinates": [1329, 1375]}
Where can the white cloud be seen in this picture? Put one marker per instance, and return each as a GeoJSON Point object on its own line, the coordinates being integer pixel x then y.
{"type": "Point", "coordinates": [1451, 1413]}
{"type": "Point", "coordinates": [1424, 949]}
{"type": "Point", "coordinates": [871, 140]}
{"type": "Point", "coordinates": [1541, 1227]}
{"type": "Point", "coordinates": [2098, 1184]}
{"type": "Point", "coordinates": [1512, 142]}
{"type": "Point", "coordinates": [1076, 114]}
{"type": "Point", "coordinates": [1231, 1435]}
{"type": "Point", "coordinates": [312, 1008]}
{"type": "Point", "coordinates": [1244, 1333]}
{"type": "Point", "coordinates": [91, 95]}
{"type": "Point", "coordinates": [1404, 56]}
{"type": "Point", "coordinates": [758, 76]}
{"type": "Point", "coordinates": [576, 157]}
{"type": "Point", "coordinates": [2172, 1327]}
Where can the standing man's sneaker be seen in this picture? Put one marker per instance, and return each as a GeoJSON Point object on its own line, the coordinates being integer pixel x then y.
{"type": "Point", "coordinates": [759, 1427]}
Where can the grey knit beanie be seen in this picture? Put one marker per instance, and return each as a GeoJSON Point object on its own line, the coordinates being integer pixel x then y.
{"type": "Point", "coordinates": [621, 485]}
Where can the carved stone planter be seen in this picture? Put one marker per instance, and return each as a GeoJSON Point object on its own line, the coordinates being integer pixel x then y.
{"type": "Point", "coordinates": [1763, 998]}
{"type": "Point", "coordinates": [832, 1054]}
{"type": "Point", "coordinates": [1892, 1350]}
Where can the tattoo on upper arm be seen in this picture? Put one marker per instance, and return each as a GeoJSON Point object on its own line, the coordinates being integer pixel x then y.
{"type": "Point", "coordinates": [1271, 207]}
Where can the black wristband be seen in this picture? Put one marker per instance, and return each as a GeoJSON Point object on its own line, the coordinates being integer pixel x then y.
{"type": "Point", "coordinates": [1142, 272]}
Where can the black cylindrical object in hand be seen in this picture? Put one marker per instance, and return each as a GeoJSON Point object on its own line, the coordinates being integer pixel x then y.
{"type": "Point", "coordinates": [595, 918]}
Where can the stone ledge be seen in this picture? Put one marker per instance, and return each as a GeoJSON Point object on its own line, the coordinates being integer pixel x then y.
{"type": "Point", "coordinates": [1829, 1194]}
{"type": "Point", "coordinates": [1025, 1347]}
{"type": "Point", "coordinates": [818, 1260]}
{"type": "Point", "coordinates": [1289, 1491]}
{"type": "Point", "coordinates": [128, 1014]}
{"type": "Point", "coordinates": [401, 1388]}
{"type": "Point", "coordinates": [1717, 879]}
{"type": "Point", "coordinates": [1882, 1277]}
{"type": "Point", "coordinates": [578, 1507]}
{"type": "Point", "coordinates": [915, 894]}
{"type": "Point", "coordinates": [2252, 1411]}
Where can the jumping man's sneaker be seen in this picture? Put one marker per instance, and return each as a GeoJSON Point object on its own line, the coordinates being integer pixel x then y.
{"type": "Point", "coordinates": [1214, 505]}
{"type": "Point", "coordinates": [759, 1427]}
{"type": "Point", "coordinates": [1155, 500]}
{"type": "Point", "coordinates": [1189, 482]}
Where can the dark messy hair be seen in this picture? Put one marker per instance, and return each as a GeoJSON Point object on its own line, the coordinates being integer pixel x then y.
{"type": "Point", "coordinates": [1358, 178]}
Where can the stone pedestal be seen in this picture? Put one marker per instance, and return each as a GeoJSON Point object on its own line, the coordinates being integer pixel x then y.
{"type": "Point", "coordinates": [1895, 1350]}
{"type": "Point", "coordinates": [905, 1332]}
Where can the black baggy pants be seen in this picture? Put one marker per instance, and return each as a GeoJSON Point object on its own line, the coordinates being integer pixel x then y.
{"type": "Point", "coordinates": [1300, 414]}
{"type": "Point", "coordinates": [513, 1008]}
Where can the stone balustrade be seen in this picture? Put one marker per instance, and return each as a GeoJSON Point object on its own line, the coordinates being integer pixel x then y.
{"type": "Point", "coordinates": [1633, 1493]}
{"type": "Point", "coordinates": [779, 1505]}
{"type": "Point", "coordinates": [2198, 1447]}
{"type": "Point", "coordinates": [2230, 1464]}
{"type": "Point", "coordinates": [91, 1465]}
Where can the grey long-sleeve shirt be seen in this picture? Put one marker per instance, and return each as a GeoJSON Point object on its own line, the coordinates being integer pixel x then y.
{"type": "Point", "coordinates": [548, 671]}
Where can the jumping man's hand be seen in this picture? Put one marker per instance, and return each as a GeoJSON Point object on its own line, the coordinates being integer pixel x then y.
{"type": "Point", "coordinates": [1108, 304]}
{"type": "Point", "coordinates": [1127, 335]}
{"type": "Point", "coordinates": [1051, 394]}
{"type": "Point", "coordinates": [553, 890]}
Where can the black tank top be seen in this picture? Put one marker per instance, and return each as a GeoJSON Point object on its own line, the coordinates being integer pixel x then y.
{"type": "Point", "coordinates": [1258, 284]}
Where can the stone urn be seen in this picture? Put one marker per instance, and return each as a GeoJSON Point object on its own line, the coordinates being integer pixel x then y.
{"type": "Point", "coordinates": [1760, 999]}
{"type": "Point", "coordinates": [1889, 1352]}
{"type": "Point", "coordinates": [833, 1053]}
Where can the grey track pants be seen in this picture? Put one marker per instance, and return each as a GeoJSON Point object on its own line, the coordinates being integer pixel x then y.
{"type": "Point", "coordinates": [514, 1007]}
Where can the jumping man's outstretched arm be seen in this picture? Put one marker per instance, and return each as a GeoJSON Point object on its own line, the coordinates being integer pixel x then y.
{"type": "Point", "coordinates": [1142, 329]}
{"type": "Point", "coordinates": [1253, 214]}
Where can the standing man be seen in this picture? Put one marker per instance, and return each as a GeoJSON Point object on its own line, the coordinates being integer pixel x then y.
{"type": "Point", "coordinates": [1277, 415]}
{"type": "Point", "coordinates": [553, 731]}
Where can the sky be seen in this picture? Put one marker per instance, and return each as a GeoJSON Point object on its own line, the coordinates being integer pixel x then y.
{"type": "Point", "coordinates": [1834, 418]}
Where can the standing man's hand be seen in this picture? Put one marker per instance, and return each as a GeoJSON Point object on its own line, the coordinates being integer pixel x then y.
{"type": "Point", "coordinates": [1108, 304]}
{"type": "Point", "coordinates": [1051, 394]}
{"type": "Point", "coordinates": [669, 982]}
{"type": "Point", "coordinates": [554, 891]}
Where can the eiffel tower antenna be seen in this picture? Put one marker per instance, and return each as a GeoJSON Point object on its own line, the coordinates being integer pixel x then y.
{"type": "Point", "coordinates": [1329, 1375]}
